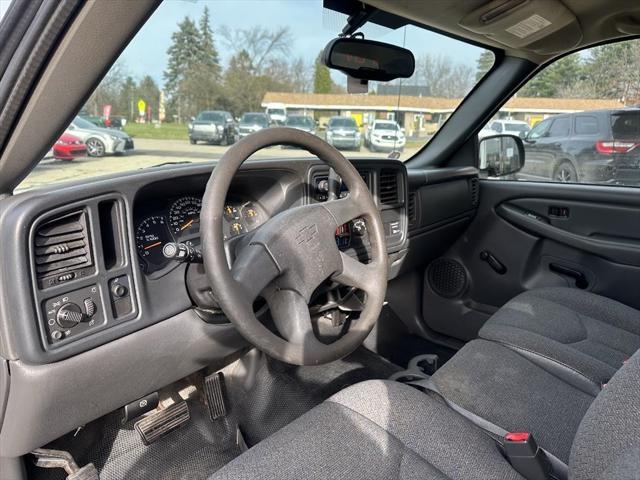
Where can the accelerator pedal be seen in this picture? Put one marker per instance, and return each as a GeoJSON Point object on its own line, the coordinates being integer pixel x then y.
{"type": "Point", "coordinates": [214, 390]}
{"type": "Point", "coordinates": [156, 425]}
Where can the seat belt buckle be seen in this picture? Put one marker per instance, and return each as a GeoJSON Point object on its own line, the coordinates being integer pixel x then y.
{"type": "Point", "coordinates": [526, 457]}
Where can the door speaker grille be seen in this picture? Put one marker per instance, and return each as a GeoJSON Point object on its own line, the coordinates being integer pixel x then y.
{"type": "Point", "coordinates": [447, 277]}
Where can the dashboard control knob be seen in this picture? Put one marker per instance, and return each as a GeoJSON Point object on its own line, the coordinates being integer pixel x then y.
{"type": "Point", "coordinates": [69, 315]}
{"type": "Point", "coordinates": [323, 186]}
{"type": "Point", "coordinates": [56, 334]}
{"type": "Point", "coordinates": [89, 307]}
{"type": "Point", "coordinates": [118, 290]}
{"type": "Point", "coordinates": [359, 227]}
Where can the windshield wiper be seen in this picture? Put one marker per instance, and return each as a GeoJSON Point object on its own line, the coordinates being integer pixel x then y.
{"type": "Point", "coordinates": [180, 162]}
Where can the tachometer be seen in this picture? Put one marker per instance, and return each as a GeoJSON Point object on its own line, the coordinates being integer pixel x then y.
{"type": "Point", "coordinates": [184, 216]}
{"type": "Point", "coordinates": [151, 235]}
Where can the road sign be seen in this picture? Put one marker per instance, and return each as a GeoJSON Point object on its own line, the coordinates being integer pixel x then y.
{"type": "Point", "coordinates": [141, 107]}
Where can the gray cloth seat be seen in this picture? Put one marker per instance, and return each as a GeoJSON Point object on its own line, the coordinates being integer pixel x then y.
{"type": "Point", "coordinates": [505, 388]}
{"type": "Point", "coordinates": [383, 430]}
{"type": "Point", "coordinates": [579, 336]}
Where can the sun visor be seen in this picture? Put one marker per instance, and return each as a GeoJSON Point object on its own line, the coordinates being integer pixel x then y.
{"type": "Point", "coordinates": [540, 26]}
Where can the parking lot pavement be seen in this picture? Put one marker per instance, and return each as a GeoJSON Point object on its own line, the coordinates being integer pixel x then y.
{"type": "Point", "coordinates": [150, 152]}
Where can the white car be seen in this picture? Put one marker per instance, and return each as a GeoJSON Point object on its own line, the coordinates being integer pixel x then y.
{"type": "Point", "coordinates": [100, 141]}
{"type": "Point", "coordinates": [385, 135]}
{"type": "Point", "coordinates": [506, 127]}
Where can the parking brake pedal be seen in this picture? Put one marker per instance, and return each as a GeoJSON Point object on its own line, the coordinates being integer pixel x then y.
{"type": "Point", "coordinates": [154, 426]}
{"type": "Point", "coordinates": [215, 393]}
{"type": "Point", "coordinates": [46, 458]}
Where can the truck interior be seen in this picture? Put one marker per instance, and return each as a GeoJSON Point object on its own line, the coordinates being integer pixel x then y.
{"type": "Point", "coordinates": [315, 314]}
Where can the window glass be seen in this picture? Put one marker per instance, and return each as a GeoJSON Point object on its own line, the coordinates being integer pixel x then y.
{"type": "Point", "coordinates": [180, 89]}
{"type": "Point", "coordinates": [566, 142]}
{"type": "Point", "coordinates": [586, 124]}
{"type": "Point", "coordinates": [559, 127]}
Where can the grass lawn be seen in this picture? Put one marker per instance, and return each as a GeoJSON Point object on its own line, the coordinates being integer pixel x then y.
{"type": "Point", "coordinates": [165, 131]}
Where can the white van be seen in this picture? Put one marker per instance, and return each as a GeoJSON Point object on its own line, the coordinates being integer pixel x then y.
{"type": "Point", "coordinates": [277, 113]}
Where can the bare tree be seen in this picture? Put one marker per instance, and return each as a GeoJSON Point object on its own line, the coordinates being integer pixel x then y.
{"type": "Point", "coordinates": [442, 76]}
{"type": "Point", "coordinates": [261, 44]}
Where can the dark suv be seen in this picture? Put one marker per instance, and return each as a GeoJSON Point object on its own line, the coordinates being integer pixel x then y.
{"type": "Point", "coordinates": [597, 146]}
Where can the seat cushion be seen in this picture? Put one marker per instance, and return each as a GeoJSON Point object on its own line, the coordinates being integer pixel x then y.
{"type": "Point", "coordinates": [374, 430]}
{"type": "Point", "coordinates": [505, 388]}
{"type": "Point", "coordinates": [583, 337]}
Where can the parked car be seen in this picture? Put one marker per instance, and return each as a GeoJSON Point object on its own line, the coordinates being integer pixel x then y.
{"type": "Point", "coordinates": [100, 141]}
{"type": "Point", "coordinates": [213, 126]}
{"type": "Point", "coordinates": [301, 122]}
{"type": "Point", "coordinates": [343, 133]}
{"type": "Point", "coordinates": [598, 146]}
{"type": "Point", "coordinates": [68, 147]}
{"type": "Point", "coordinates": [518, 128]}
{"type": "Point", "coordinates": [252, 122]}
{"type": "Point", "coordinates": [277, 113]}
{"type": "Point", "coordinates": [385, 135]}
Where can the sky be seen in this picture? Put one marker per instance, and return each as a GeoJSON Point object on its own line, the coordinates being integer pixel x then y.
{"type": "Point", "coordinates": [311, 27]}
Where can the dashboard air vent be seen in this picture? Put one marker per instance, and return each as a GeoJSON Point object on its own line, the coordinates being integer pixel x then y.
{"type": "Point", "coordinates": [388, 187]}
{"type": "Point", "coordinates": [474, 189]}
{"type": "Point", "coordinates": [412, 212]}
{"type": "Point", "coordinates": [62, 245]}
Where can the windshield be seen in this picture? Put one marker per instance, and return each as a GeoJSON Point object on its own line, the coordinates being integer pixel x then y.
{"type": "Point", "coordinates": [385, 126]}
{"type": "Point", "coordinates": [517, 127]}
{"type": "Point", "coordinates": [209, 117]}
{"type": "Point", "coordinates": [253, 119]}
{"type": "Point", "coordinates": [82, 123]}
{"type": "Point", "coordinates": [299, 122]}
{"type": "Point", "coordinates": [196, 68]}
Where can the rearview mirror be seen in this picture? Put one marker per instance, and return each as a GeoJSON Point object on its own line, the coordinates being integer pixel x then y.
{"type": "Point", "coordinates": [501, 155]}
{"type": "Point", "coordinates": [369, 60]}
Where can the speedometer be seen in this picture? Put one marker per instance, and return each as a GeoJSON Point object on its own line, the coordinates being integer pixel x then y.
{"type": "Point", "coordinates": [184, 216]}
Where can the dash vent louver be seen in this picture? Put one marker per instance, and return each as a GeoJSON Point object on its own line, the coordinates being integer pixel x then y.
{"type": "Point", "coordinates": [474, 189]}
{"type": "Point", "coordinates": [388, 187]}
{"type": "Point", "coordinates": [412, 212]}
{"type": "Point", "coordinates": [62, 245]}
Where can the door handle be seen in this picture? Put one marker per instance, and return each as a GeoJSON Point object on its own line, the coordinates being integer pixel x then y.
{"type": "Point", "coordinates": [577, 275]}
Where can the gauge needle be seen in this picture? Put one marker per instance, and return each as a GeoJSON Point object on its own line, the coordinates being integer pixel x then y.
{"type": "Point", "coordinates": [187, 225]}
{"type": "Point", "coordinates": [153, 245]}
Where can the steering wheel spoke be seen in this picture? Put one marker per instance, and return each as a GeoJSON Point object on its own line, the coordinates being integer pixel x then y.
{"type": "Point", "coordinates": [254, 269]}
{"type": "Point", "coordinates": [290, 313]}
{"type": "Point", "coordinates": [356, 274]}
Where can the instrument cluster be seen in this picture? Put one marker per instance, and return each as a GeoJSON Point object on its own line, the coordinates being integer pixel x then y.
{"type": "Point", "coordinates": [180, 222]}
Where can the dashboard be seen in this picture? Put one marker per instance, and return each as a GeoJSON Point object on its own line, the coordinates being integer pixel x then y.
{"type": "Point", "coordinates": [178, 220]}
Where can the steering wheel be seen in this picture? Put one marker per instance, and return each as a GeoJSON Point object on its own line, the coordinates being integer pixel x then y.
{"type": "Point", "coordinates": [291, 254]}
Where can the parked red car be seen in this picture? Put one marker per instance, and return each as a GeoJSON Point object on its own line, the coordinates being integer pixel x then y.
{"type": "Point", "coordinates": [69, 147]}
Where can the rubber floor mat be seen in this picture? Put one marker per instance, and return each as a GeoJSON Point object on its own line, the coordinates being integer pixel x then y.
{"type": "Point", "coordinates": [192, 452]}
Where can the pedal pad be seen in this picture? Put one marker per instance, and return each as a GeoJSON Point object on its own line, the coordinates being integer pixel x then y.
{"type": "Point", "coordinates": [214, 390]}
{"type": "Point", "coordinates": [154, 426]}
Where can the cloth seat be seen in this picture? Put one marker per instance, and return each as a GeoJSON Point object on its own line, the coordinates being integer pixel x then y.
{"type": "Point", "coordinates": [374, 430]}
{"type": "Point", "coordinates": [581, 337]}
{"type": "Point", "coordinates": [383, 430]}
{"type": "Point", "coordinates": [505, 388]}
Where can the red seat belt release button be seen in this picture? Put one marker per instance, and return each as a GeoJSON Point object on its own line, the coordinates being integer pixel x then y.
{"type": "Point", "coordinates": [526, 457]}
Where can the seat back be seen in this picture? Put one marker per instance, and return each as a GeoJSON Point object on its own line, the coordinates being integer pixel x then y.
{"type": "Point", "coordinates": [607, 444]}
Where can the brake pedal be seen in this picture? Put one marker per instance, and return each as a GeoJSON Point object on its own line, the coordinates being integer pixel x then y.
{"type": "Point", "coordinates": [46, 458]}
{"type": "Point", "coordinates": [156, 425]}
{"type": "Point", "coordinates": [214, 390]}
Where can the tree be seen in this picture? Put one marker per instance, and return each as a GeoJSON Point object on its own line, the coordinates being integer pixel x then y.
{"type": "Point", "coordinates": [442, 76]}
{"type": "Point", "coordinates": [208, 53]}
{"type": "Point", "coordinates": [260, 45]}
{"type": "Point", "coordinates": [322, 82]}
{"type": "Point", "coordinates": [558, 77]}
{"type": "Point", "coordinates": [148, 90]}
{"type": "Point", "coordinates": [484, 64]}
{"type": "Point", "coordinates": [108, 92]}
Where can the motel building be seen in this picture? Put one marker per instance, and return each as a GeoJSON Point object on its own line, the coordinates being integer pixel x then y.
{"type": "Point", "coordinates": [420, 116]}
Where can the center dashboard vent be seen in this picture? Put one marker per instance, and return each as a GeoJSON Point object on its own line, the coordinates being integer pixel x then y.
{"type": "Point", "coordinates": [61, 246]}
{"type": "Point", "coordinates": [388, 190]}
{"type": "Point", "coordinates": [412, 209]}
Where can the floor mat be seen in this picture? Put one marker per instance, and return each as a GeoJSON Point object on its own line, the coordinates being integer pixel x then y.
{"type": "Point", "coordinates": [192, 452]}
{"type": "Point", "coordinates": [282, 392]}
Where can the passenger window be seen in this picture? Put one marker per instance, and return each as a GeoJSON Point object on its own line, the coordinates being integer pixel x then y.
{"type": "Point", "coordinates": [586, 125]}
{"type": "Point", "coordinates": [559, 127]}
{"type": "Point", "coordinates": [583, 112]}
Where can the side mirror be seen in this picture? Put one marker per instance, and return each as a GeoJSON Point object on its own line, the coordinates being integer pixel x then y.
{"type": "Point", "coordinates": [369, 60]}
{"type": "Point", "coordinates": [501, 155]}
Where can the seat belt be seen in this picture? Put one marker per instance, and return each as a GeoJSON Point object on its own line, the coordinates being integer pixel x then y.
{"type": "Point", "coordinates": [560, 469]}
